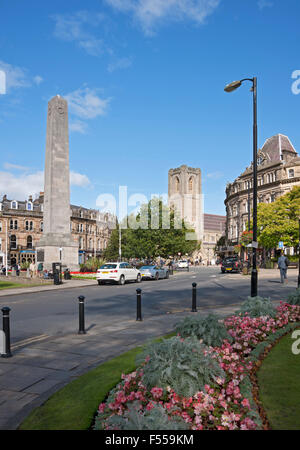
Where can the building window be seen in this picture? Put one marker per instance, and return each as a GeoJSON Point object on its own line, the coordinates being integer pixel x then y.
{"type": "Point", "coordinates": [81, 228]}
{"type": "Point", "coordinates": [0, 227]}
{"type": "Point", "coordinates": [29, 242]}
{"type": "Point", "coordinates": [13, 224]}
{"type": "Point", "coordinates": [42, 226]}
{"type": "Point", "coordinates": [81, 243]}
{"type": "Point", "coordinates": [191, 184]}
{"type": "Point", "coordinates": [90, 243]}
{"type": "Point", "coordinates": [13, 242]}
{"type": "Point", "coordinates": [291, 173]}
{"type": "Point", "coordinates": [29, 206]}
{"type": "Point", "coordinates": [14, 204]}
{"type": "Point", "coordinates": [177, 184]}
{"type": "Point", "coordinates": [272, 198]}
{"type": "Point", "coordinates": [31, 226]}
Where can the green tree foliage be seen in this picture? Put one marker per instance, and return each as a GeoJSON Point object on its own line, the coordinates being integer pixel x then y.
{"type": "Point", "coordinates": [154, 231]}
{"type": "Point", "coordinates": [278, 221]}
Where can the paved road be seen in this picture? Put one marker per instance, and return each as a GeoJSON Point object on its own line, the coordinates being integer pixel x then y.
{"type": "Point", "coordinates": [53, 313]}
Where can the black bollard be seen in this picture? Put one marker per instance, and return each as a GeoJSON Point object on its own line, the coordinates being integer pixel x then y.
{"type": "Point", "coordinates": [139, 305]}
{"type": "Point", "coordinates": [81, 315]}
{"type": "Point", "coordinates": [194, 298]}
{"type": "Point", "coordinates": [6, 331]}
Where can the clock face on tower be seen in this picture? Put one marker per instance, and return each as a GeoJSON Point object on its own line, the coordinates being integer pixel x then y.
{"type": "Point", "coordinates": [60, 107]}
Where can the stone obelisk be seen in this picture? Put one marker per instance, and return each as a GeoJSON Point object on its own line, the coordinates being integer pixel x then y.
{"type": "Point", "coordinates": [57, 244]}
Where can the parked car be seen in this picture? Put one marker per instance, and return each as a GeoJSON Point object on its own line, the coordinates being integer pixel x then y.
{"type": "Point", "coordinates": [154, 272]}
{"type": "Point", "coordinates": [183, 264]}
{"type": "Point", "coordinates": [231, 264]}
{"type": "Point", "coordinates": [118, 272]}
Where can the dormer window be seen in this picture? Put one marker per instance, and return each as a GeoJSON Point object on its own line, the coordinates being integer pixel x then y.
{"type": "Point", "coordinates": [14, 204]}
{"type": "Point", "coordinates": [29, 206]}
{"type": "Point", "coordinates": [291, 173]}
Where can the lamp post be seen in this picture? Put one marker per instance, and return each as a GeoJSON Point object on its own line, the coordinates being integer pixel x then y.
{"type": "Point", "coordinates": [230, 88]}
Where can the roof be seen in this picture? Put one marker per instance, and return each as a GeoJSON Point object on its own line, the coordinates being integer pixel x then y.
{"type": "Point", "coordinates": [275, 145]}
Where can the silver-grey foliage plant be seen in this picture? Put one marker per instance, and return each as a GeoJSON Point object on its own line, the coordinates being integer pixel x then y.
{"type": "Point", "coordinates": [257, 307]}
{"type": "Point", "coordinates": [294, 299]}
{"type": "Point", "coordinates": [208, 328]}
{"type": "Point", "coordinates": [184, 365]}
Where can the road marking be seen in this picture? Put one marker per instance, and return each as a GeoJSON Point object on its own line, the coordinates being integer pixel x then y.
{"type": "Point", "coordinates": [29, 341]}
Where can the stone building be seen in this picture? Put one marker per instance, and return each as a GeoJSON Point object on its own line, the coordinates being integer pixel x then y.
{"type": "Point", "coordinates": [277, 173]}
{"type": "Point", "coordinates": [214, 229]}
{"type": "Point", "coordinates": [21, 228]}
{"type": "Point", "coordinates": [185, 196]}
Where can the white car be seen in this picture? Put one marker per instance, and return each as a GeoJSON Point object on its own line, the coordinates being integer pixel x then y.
{"type": "Point", "coordinates": [183, 264]}
{"type": "Point", "coordinates": [118, 272]}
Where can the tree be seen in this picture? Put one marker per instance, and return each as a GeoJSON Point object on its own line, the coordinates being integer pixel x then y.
{"type": "Point", "coordinates": [278, 221]}
{"type": "Point", "coordinates": [154, 231]}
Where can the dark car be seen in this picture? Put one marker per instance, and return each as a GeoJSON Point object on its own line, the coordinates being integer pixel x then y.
{"type": "Point", "coordinates": [231, 264]}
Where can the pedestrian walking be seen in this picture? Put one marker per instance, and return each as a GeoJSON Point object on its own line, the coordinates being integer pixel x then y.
{"type": "Point", "coordinates": [283, 263]}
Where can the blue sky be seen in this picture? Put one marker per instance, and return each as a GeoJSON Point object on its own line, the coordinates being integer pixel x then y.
{"type": "Point", "coordinates": [145, 84]}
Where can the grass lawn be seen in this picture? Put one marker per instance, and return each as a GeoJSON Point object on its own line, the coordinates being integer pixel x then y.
{"type": "Point", "coordinates": [10, 285]}
{"type": "Point", "coordinates": [74, 406]}
{"type": "Point", "coordinates": [279, 386]}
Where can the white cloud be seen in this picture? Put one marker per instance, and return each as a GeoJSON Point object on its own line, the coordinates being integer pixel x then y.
{"type": "Point", "coordinates": [78, 126]}
{"type": "Point", "coordinates": [149, 13]}
{"type": "Point", "coordinates": [85, 103]}
{"type": "Point", "coordinates": [16, 77]}
{"type": "Point", "coordinates": [77, 179]}
{"type": "Point", "coordinates": [122, 63]}
{"type": "Point", "coordinates": [262, 4]}
{"type": "Point", "coordinates": [38, 80]}
{"type": "Point", "coordinates": [9, 166]}
{"type": "Point", "coordinates": [21, 186]}
{"type": "Point", "coordinates": [77, 28]}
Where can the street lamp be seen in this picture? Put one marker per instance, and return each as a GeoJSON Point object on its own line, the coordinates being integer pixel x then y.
{"type": "Point", "coordinates": [230, 88]}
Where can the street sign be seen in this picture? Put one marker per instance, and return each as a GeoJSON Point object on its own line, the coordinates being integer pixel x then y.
{"type": "Point", "coordinates": [280, 244]}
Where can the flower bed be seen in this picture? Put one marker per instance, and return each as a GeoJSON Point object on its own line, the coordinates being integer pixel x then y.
{"type": "Point", "coordinates": [226, 403]}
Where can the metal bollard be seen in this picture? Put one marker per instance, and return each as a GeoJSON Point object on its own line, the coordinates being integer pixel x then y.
{"type": "Point", "coordinates": [6, 331]}
{"type": "Point", "coordinates": [139, 305]}
{"type": "Point", "coordinates": [81, 315]}
{"type": "Point", "coordinates": [194, 298]}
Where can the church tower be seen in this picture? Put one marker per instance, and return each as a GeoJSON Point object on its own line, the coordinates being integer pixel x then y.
{"type": "Point", "coordinates": [185, 196]}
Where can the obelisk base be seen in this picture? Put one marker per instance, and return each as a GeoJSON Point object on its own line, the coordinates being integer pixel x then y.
{"type": "Point", "coordinates": [55, 248]}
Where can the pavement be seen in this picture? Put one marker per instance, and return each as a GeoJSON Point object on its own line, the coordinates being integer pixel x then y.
{"type": "Point", "coordinates": [41, 366]}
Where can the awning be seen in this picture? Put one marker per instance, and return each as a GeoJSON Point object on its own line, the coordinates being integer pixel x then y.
{"type": "Point", "coordinates": [27, 251]}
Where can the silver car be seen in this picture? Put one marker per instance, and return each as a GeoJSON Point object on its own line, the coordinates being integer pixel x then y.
{"type": "Point", "coordinates": [154, 272]}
